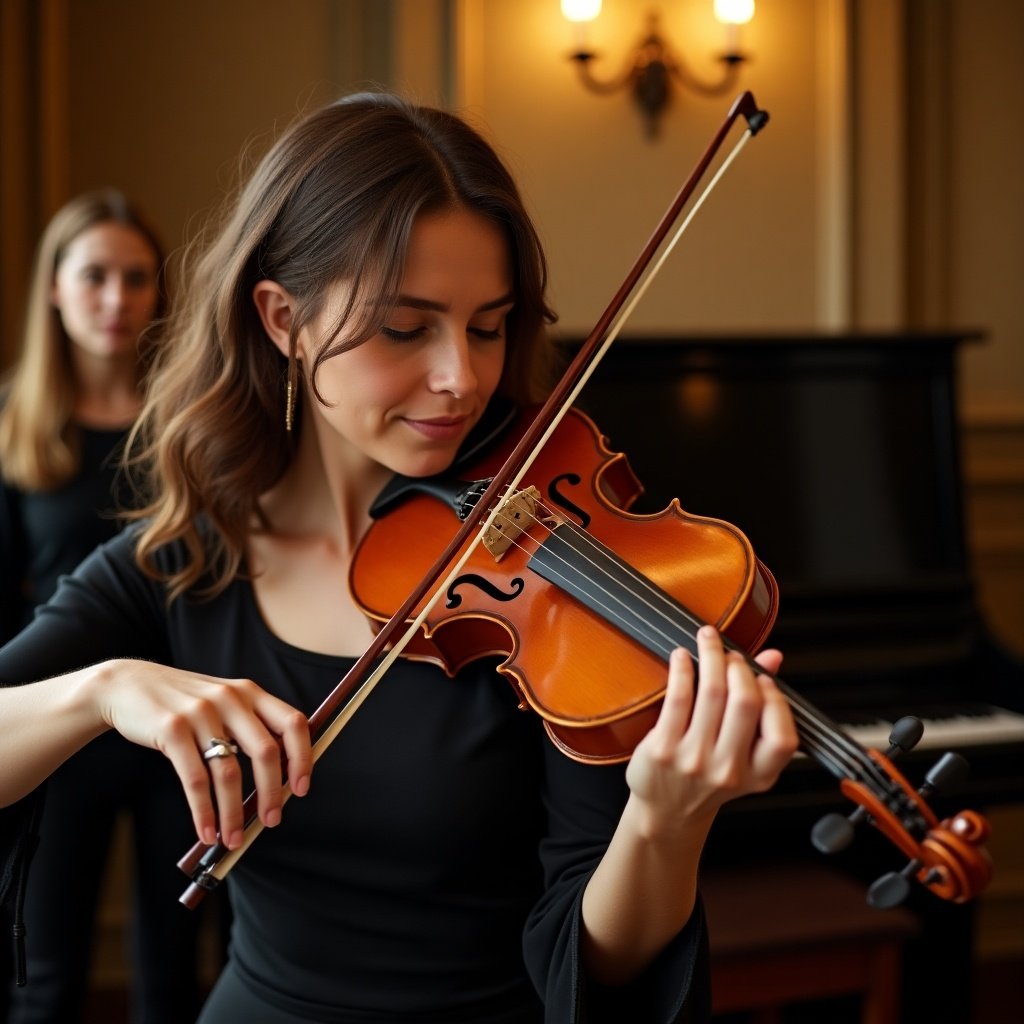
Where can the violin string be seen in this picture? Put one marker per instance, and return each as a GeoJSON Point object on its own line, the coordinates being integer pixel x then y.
{"type": "Point", "coordinates": [818, 735]}
{"type": "Point", "coordinates": [860, 766]}
{"type": "Point", "coordinates": [826, 741]}
{"type": "Point", "coordinates": [689, 624]}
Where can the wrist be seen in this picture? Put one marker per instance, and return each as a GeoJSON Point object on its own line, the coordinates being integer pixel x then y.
{"type": "Point", "coordinates": [654, 827]}
{"type": "Point", "coordinates": [89, 695]}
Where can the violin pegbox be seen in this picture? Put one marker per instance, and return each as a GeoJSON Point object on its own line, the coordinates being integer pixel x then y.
{"type": "Point", "coordinates": [947, 857]}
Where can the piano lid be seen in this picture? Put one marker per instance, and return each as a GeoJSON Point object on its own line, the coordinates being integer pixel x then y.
{"type": "Point", "coordinates": [839, 457]}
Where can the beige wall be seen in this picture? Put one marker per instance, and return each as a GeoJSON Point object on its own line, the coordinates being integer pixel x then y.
{"type": "Point", "coordinates": [598, 185]}
{"type": "Point", "coordinates": [808, 230]}
{"type": "Point", "coordinates": [887, 190]}
{"type": "Point", "coordinates": [167, 96]}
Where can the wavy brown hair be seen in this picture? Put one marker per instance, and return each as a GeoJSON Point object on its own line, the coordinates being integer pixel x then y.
{"type": "Point", "coordinates": [334, 199]}
{"type": "Point", "coordinates": [39, 440]}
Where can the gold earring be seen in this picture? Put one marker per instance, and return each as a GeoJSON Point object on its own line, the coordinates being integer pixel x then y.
{"type": "Point", "coordinates": [289, 406]}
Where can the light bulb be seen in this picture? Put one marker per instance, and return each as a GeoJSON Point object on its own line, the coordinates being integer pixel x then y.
{"type": "Point", "coordinates": [581, 10]}
{"type": "Point", "coordinates": [729, 12]}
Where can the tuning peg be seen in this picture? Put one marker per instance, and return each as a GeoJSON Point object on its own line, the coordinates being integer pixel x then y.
{"type": "Point", "coordinates": [906, 733]}
{"type": "Point", "coordinates": [892, 888]}
{"type": "Point", "coordinates": [833, 832]}
{"type": "Point", "coordinates": [951, 770]}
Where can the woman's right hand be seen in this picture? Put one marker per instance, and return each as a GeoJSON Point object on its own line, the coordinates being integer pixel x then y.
{"type": "Point", "coordinates": [180, 713]}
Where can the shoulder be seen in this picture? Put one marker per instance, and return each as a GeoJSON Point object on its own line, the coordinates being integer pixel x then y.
{"type": "Point", "coordinates": [112, 583]}
{"type": "Point", "coordinates": [112, 566]}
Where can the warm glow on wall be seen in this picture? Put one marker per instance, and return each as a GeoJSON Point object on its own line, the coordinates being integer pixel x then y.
{"type": "Point", "coordinates": [653, 64]}
{"type": "Point", "coordinates": [581, 10]}
{"type": "Point", "coordinates": [729, 12]}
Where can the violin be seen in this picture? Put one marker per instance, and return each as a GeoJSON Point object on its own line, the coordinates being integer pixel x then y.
{"type": "Point", "coordinates": [584, 601]}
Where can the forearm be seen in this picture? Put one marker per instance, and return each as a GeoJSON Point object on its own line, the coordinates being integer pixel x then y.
{"type": "Point", "coordinates": [641, 894]}
{"type": "Point", "coordinates": [42, 724]}
{"type": "Point", "coordinates": [730, 738]}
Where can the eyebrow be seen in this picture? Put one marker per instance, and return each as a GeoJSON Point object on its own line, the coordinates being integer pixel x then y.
{"type": "Point", "coordinates": [129, 268]}
{"type": "Point", "coordinates": [416, 303]}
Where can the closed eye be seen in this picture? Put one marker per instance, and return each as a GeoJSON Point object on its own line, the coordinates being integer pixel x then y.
{"type": "Point", "coordinates": [396, 335]}
{"type": "Point", "coordinates": [487, 335]}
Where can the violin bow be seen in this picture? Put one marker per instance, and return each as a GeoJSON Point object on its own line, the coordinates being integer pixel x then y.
{"type": "Point", "coordinates": [208, 864]}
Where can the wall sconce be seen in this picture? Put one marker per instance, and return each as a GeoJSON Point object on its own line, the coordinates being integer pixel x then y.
{"type": "Point", "coordinates": [652, 65]}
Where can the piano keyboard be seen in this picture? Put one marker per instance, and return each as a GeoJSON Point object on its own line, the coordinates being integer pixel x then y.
{"type": "Point", "coordinates": [973, 725]}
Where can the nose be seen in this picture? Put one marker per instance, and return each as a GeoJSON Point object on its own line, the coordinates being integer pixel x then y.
{"type": "Point", "coordinates": [452, 368]}
{"type": "Point", "coordinates": [115, 292]}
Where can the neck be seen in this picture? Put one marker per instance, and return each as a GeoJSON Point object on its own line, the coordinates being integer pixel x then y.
{"type": "Point", "coordinates": [327, 490]}
{"type": "Point", "coordinates": [107, 391]}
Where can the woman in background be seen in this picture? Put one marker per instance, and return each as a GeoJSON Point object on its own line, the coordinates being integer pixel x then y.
{"type": "Point", "coordinates": [65, 413]}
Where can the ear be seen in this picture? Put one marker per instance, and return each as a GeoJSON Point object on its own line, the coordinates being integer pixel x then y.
{"type": "Point", "coordinates": [274, 305]}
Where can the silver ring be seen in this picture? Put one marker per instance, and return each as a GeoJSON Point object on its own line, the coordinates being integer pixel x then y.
{"type": "Point", "coordinates": [219, 747]}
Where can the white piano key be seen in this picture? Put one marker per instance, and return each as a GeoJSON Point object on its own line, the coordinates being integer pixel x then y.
{"type": "Point", "coordinates": [1000, 726]}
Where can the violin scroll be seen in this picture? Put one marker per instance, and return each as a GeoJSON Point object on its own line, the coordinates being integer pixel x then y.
{"type": "Point", "coordinates": [947, 857]}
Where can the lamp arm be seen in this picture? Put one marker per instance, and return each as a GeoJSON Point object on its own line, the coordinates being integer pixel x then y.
{"type": "Point", "coordinates": [679, 70]}
{"type": "Point", "coordinates": [582, 59]}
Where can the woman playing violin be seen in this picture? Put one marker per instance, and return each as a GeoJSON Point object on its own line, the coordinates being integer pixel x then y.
{"type": "Point", "coordinates": [376, 284]}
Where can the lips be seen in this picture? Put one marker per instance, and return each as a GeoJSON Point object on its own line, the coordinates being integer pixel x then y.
{"type": "Point", "coordinates": [441, 428]}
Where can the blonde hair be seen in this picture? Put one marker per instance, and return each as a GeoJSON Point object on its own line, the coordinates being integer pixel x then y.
{"type": "Point", "coordinates": [39, 441]}
{"type": "Point", "coordinates": [335, 198]}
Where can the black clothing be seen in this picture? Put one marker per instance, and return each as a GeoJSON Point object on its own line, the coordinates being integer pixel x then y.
{"type": "Point", "coordinates": [444, 841]}
{"type": "Point", "coordinates": [84, 798]}
{"type": "Point", "coordinates": [42, 536]}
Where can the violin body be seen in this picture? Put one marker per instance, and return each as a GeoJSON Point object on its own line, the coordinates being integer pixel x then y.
{"type": "Point", "coordinates": [597, 689]}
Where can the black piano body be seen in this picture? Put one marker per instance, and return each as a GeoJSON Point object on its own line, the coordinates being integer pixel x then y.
{"type": "Point", "coordinates": [839, 457]}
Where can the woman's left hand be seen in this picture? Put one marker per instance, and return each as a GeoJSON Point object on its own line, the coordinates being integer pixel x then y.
{"type": "Point", "coordinates": [731, 735]}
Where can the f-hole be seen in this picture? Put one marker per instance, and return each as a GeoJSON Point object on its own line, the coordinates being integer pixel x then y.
{"type": "Point", "coordinates": [471, 579]}
{"type": "Point", "coordinates": [558, 498]}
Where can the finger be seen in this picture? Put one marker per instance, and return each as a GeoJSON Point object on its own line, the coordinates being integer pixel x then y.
{"type": "Point", "coordinates": [226, 775]}
{"type": "Point", "coordinates": [292, 728]}
{"type": "Point", "coordinates": [778, 739]}
{"type": "Point", "coordinates": [741, 719]}
{"type": "Point", "coordinates": [677, 706]}
{"type": "Point", "coordinates": [742, 714]}
{"type": "Point", "coordinates": [262, 731]}
{"type": "Point", "coordinates": [709, 704]}
{"type": "Point", "coordinates": [264, 753]}
{"type": "Point", "coordinates": [182, 752]}
{"type": "Point", "coordinates": [770, 660]}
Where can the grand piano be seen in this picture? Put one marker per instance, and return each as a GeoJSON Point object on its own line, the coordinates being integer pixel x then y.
{"type": "Point", "coordinates": [839, 457]}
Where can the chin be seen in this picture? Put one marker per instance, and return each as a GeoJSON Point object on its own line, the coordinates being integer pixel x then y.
{"type": "Point", "coordinates": [424, 464]}
{"type": "Point", "coordinates": [420, 468]}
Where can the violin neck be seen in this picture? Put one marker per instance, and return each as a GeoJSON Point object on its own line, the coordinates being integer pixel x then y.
{"type": "Point", "coordinates": [581, 566]}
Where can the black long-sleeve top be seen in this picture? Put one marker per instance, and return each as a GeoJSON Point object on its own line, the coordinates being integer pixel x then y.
{"type": "Point", "coordinates": [435, 870]}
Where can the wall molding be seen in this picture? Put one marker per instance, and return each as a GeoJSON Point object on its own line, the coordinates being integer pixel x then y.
{"type": "Point", "coordinates": [835, 206]}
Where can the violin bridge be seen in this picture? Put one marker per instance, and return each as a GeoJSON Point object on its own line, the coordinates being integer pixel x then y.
{"type": "Point", "coordinates": [514, 517]}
